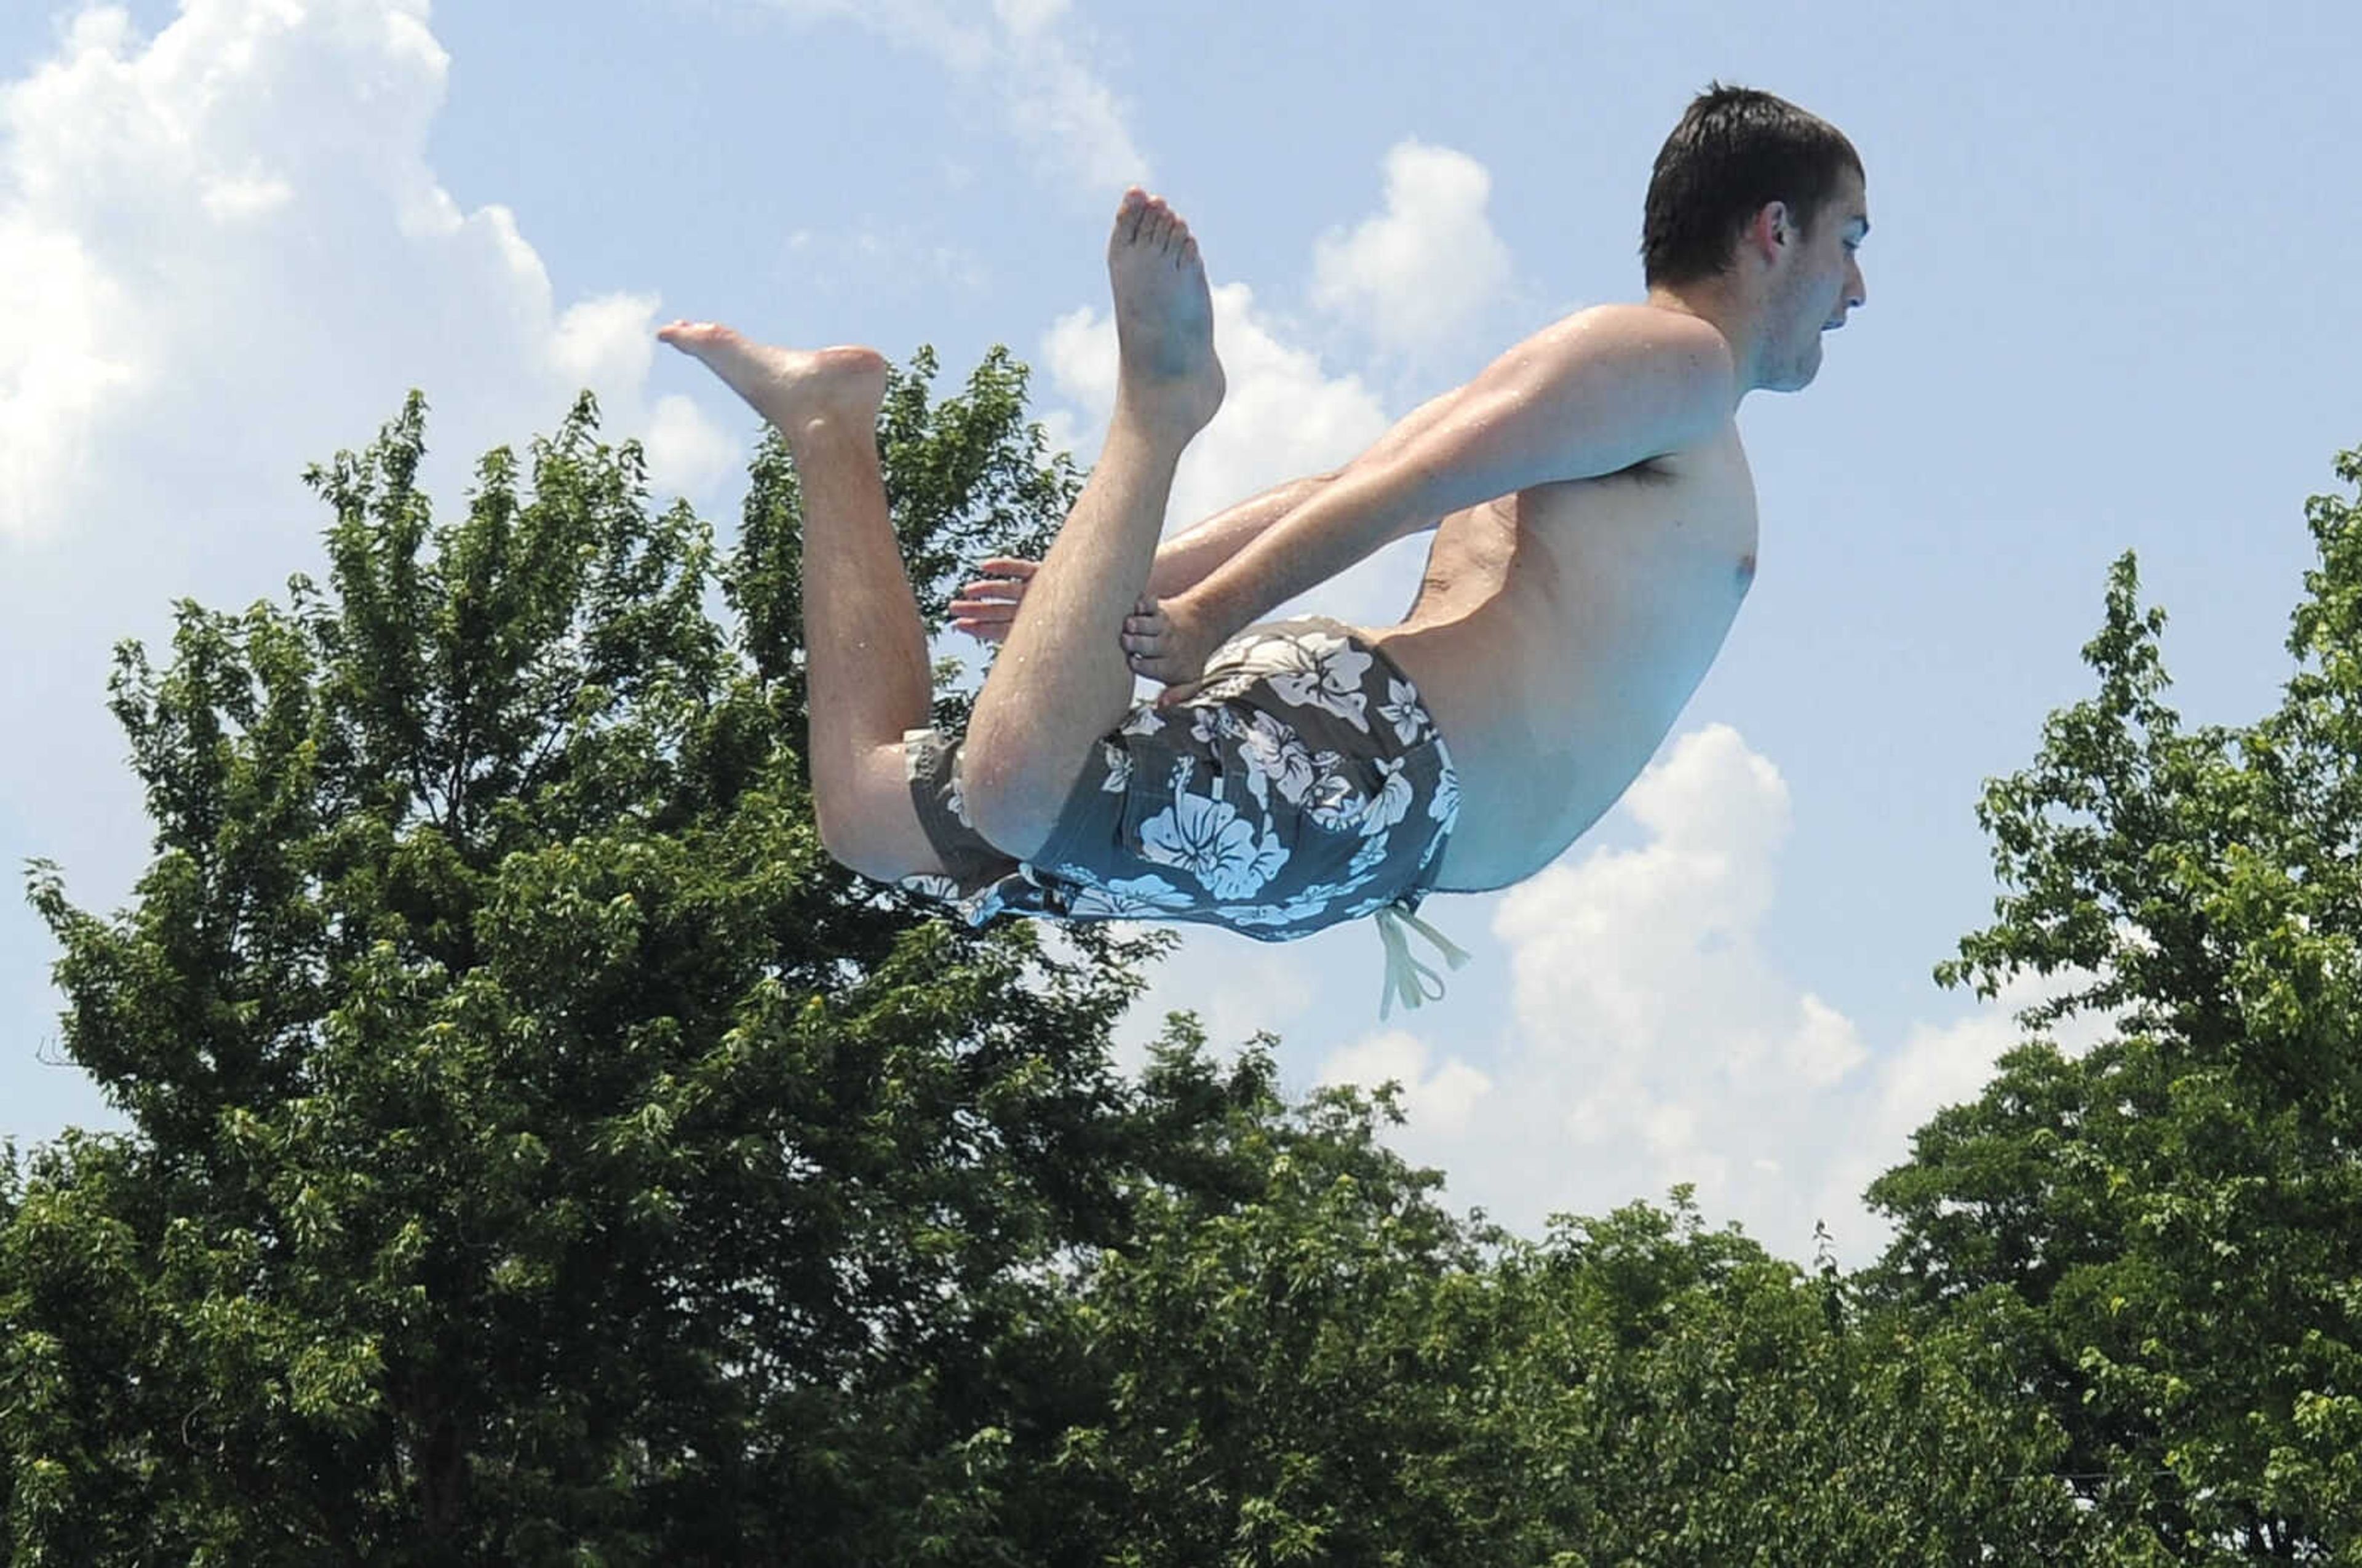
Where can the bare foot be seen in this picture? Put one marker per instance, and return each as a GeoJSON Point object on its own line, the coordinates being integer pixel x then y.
{"type": "Point", "coordinates": [1164, 317]}
{"type": "Point", "coordinates": [792, 388]}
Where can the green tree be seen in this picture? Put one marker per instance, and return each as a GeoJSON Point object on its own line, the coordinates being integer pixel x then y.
{"type": "Point", "coordinates": [2180, 1208]}
{"type": "Point", "coordinates": [1299, 1357]}
{"type": "Point", "coordinates": [1270, 1368]}
{"type": "Point", "coordinates": [540, 1151]}
{"type": "Point", "coordinates": [1677, 1396]}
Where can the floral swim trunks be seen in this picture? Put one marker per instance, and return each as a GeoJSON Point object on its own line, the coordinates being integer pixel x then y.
{"type": "Point", "coordinates": [1301, 784]}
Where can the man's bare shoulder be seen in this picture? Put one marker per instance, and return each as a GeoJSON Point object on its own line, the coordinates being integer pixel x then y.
{"type": "Point", "coordinates": [1637, 332]}
{"type": "Point", "coordinates": [1668, 374]}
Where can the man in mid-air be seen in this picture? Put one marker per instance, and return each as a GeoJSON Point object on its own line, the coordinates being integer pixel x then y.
{"type": "Point", "coordinates": [1595, 534]}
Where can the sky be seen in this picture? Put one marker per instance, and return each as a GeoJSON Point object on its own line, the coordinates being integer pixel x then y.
{"type": "Point", "coordinates": [2110, 308]}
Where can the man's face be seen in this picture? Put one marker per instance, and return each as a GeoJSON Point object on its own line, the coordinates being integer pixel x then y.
{"type": "Point", "coordinates": [1824, 282]}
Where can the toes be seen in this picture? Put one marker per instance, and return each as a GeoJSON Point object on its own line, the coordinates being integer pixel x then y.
{"type": "Point", "coordinates": [697, 334]}
{"type": "Point", "coordinates": [1151, 223]}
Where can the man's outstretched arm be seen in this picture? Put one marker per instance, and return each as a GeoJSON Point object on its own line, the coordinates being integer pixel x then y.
{"type": "Point", "coordinates": [1600, 391]}
{"type": "Point", "coordinates": [1187, 559]}
{"type": "Point", "coordinates": [987, 606]}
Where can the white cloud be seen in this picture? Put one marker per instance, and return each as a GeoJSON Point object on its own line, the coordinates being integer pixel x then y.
{"type": "Point", "coordinates": [1438, 1102]}
{"type": "Point", "coordinates": [1027, 17]}
{"type": "Point", "coordinates": [606, 341]}
{"type": "Point", "coordinates": [1421, 274]}
{"type": "Point", "coordinates": [1652, 1041]}
{"type": "Point", "coordinates": [1939, 1065]}
{"type": "Point", "coordinates": [690, 453]}
{"type": "Point", "coordinates": [1019, 50]}
{"type": "Point", "coordinates": [62, 358]}
{"type": "Point", "coordinates": [223, 254]}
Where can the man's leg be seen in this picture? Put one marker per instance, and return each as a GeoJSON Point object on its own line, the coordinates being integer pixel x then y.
{"type": "Point", "coordinates": [1062, 680]}
{"type": "Point", "coordinates": [864, 646]}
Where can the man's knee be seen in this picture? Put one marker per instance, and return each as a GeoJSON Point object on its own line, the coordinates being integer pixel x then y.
{"type": "Point", "coordinates": [868, 822]}
{"type": "Point", "coordinates": [1013, 802]}
{"type": "Point", "coordinates": [851, 846]}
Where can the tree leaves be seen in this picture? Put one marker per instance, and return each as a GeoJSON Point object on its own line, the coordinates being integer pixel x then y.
{"type": "Point", "coordinates": [541, 1152]}
{"type": "Point", "coordinates": [539, 1148]}
{"type": "Point", "coordinates": [2178, 1207]}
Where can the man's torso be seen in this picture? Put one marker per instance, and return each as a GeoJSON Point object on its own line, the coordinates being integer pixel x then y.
{"type": "Point", "coordinates": [1557, 636]}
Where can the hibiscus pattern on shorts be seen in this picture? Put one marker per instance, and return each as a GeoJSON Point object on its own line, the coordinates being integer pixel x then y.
{"type": "Point", "coordinates": [1403, 710]}
{"type": "Point", "coordinates": [1119, 768]}
{"type": "Point", "coordinates": [1209, 840]}
{"type": "Point", "coordinates": [1276, 758]}
{"type": "Point", "coordinates": [1137, 898]}
{"type": "Point", "coordinates": [1306, 669]}
{"type": "Point", "coordinates": [1301, 783]}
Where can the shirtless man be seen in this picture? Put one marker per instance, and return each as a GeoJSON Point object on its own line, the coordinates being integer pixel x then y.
{"type": "Point", "coordinates": [1595, 534]}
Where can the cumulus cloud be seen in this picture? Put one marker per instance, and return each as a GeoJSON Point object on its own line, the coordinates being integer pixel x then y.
{"type": "Point", "coordinates": [1439, 1101]}
{"type": "Point", "coordinates": [1022, 51]}
{"type": "Point", "coordinates": [1936, 1065]}
{"type": "Point", "coordinates": [1418, 276]}
{"type": "Point", "coordinates": [224, 256]}
{"type": "Point", "coordinates": [1653, 1042]}
{"type": "Point", "coordinates": [223, 251]}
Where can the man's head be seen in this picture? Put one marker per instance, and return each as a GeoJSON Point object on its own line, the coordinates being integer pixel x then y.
{"type": "Point", "coordinates": [1753, 213]}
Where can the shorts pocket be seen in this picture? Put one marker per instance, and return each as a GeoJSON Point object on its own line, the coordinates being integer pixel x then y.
{"type": "Point", "coordinates": [1149, 794]}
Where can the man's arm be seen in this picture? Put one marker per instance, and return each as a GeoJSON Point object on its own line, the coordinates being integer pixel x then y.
{"type": "Point", "coordinates": [1604, 389]}
{"type": "Point", "coordinates": [1187, 559]}
{"type": "Point", "coordinates": [985, 609]}
{"type": "Point", "coordinates": [1184, 560]}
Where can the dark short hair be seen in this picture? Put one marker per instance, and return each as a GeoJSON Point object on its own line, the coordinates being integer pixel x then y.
{"type": "Point", "coordinates": [1734, 152]}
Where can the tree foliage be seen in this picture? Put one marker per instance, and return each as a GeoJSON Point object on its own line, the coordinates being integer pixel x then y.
{"type": "Point", "coordinates": [2180, 1208]}
{"type": "Point", "coordinates": [541, 1153]}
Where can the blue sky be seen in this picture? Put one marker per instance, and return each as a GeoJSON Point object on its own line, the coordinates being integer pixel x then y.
{"type": "Point", "coordinates": [2110, 307]}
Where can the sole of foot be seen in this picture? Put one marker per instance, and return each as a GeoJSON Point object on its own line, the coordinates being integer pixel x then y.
{"type": "Point", "coordinates": [792, 388]}
{"type": "Point", "coordinates": [1164, 317]}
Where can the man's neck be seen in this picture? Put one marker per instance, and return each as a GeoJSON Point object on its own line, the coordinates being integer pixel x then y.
{"type": "Point", "coordinates": [1718, 306]}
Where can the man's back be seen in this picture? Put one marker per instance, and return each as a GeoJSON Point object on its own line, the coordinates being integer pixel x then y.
{"type": "Point", "coordinates": [1558, 634]}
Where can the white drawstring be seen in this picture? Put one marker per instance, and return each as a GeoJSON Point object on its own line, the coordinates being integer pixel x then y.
{"type": "Point", "coordinates": [1406, 976]}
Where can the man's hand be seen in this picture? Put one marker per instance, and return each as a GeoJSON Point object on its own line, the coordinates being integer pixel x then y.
{"type": "Point", "coordinates": [1169, 640]}
{"type": "Point", "coordinates": [989, 605]}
